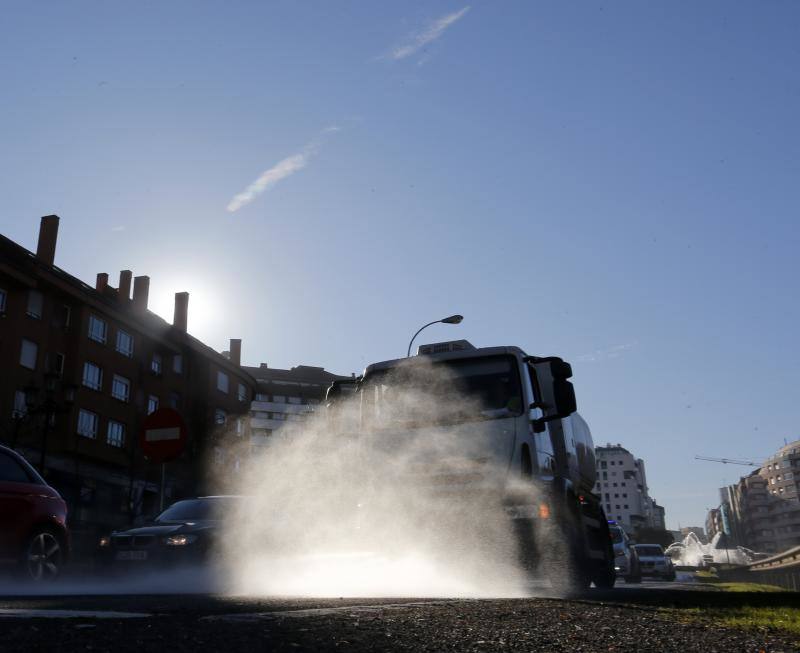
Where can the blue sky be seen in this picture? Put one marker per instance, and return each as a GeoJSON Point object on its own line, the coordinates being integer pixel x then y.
{"type": "Point", "coordinates": [615, 183]}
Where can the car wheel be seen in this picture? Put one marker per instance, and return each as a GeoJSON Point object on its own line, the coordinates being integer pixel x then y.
{"type": "Point", "coordinates": [43, 557]}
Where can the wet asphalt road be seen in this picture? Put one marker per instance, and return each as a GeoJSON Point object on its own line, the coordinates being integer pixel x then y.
{"type": "Point", "coordinates": [650, 617]}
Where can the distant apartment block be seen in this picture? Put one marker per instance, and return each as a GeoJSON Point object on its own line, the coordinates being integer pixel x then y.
{"type": "Point", "coordinates": [762, 510]}
{"type": "Point", "coordinates": [622, 486]}
{"type": "Point", "coordinates": [285, 396]}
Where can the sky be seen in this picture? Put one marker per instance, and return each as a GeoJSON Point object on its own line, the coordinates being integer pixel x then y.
{"type": "Point", "coordinates": [613, 183]}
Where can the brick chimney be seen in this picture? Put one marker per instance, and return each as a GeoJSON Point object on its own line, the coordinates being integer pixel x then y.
{"type": "Point", "coordinates": [236, 351]}
{"type": "Point", "coordinates": [125, 284]}
{"type": "Point", "coordinates": [102, 282]}
{"type": "Point", "coordinates": [180, 318]}
{"type": "Point", "coordinates": [141, 290]}
{"type": "Point", "coordinates": [48, 235]}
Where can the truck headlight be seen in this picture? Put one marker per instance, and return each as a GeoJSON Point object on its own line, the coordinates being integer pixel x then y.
{"type": "Point", "coordinates": [180, 540]}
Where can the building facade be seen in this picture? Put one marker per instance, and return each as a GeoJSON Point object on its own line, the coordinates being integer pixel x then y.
{"type": "Point", "coordinates": [762, 510]}
{"type": "Point", "coordinates": [622, 486]}
{"type": "Point", "coordinates": [285, 396]}
{"type": "Point", "coordinates": [82, 368]}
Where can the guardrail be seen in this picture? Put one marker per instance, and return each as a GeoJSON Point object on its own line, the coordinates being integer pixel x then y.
{"type": "Point", "coordinates": [782, 569]}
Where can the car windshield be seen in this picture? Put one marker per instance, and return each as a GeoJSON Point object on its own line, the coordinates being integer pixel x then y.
{"type": "Point", "coordinates": [616, 534]}
{"type": "Point", "coordinates": [449, 392]}
{"type": "Point", "coordinates": [650, 550]}
{"type": "Point", "coordinates": [209, 509]}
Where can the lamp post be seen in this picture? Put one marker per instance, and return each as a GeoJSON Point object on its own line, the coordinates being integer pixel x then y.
{"type": "Point", "coordinates": [49, 407]}
{"type": "Point", "coordinates": [453, 319]}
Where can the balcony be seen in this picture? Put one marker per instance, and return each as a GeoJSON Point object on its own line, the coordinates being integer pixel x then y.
{"type": "Point", "coordinates": [272, 407]}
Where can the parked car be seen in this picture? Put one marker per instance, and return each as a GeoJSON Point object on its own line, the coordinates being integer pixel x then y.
{"type": "Point", "coordinates": [626, 560]}
{"type": "Point", "coordinates": [34, 540]}
{"type": "Point", "coordinates": [186, 533]}
{"type": "Point", "coordinates": [655, 562]}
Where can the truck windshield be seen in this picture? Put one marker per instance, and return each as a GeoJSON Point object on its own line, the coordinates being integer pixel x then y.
{"type": "Point", "coordinates": [448, 392]}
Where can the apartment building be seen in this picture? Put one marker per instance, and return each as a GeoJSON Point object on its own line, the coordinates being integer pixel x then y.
{"type": "Point", "coordinates": [762, 510]}
{"type": "Point", "coordinates": [285, 396]}
{"type": "Point", "coordinates": [83, 366]}
{"type": "Point", "coordinates": [622, 486]}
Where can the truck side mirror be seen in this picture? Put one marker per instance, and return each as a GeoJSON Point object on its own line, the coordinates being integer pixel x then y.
{"type": "Point", "coordinates": [555, 394]}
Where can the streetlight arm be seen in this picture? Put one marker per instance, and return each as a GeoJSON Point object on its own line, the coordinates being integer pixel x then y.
{"type": "Point", "coordinates": [417, 333]}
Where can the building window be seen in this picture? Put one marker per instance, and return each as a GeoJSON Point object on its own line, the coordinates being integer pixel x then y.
{"type": "Point", "coordinates": [155, 364]}
{"type": "Point", "coordinates": [3, 298]}
{"type": "Point", "coordinates": [152, 404]}
{"type": "Point", "coordinates": [28, 354]}
{"type": "Point", "coordinates": [55, 363]}
{"type": "Point", "coordinates": [279, 400]}
{"type": "Point", "coordinates": [87, 424]}
{"type": "Point", "coordinates": [220, 416]}
{"type": "Point", "coordinates": [97, 329]}
{"type": "Point", "coordinates": [295, 400]}
{"type": "Point", "coordinates": [242, 394]}
{"type": "Point", "coordinates": [120, 388]}
{"type": "Point", "coordinates": [92, 376]}
{"type": "Point", "coordinates": [20, 405]}
{"type": "Point", "coordinates": [125, 343]}
{"type": "Point", "coordinates": [239, 426]}
{"type": "Point", "coordinates": [625, 506]}
{"type": "Point", "coordinates": [262, 397]}
{"type": "Point", "coordinates": [222, 382]}
{"type": "Point", "coordinates": [35, 301]}
{"type": "Point", "coordinates": [177, 364]}
{"type": "Point", "coordinates": [115, 435]}
{"type": "Point", "coordinates": [174, 400]}
{"type": "Point", "coordinates": [62, 316]}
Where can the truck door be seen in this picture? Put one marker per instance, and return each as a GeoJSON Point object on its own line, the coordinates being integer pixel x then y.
{"type": "Point", "coordinates": [545, 452]}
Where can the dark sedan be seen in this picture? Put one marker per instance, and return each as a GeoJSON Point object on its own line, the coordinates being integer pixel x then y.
{"type": "Point", "coordinates": [185, 533]}
{"type": "Point", "coordinates": [34, 540]}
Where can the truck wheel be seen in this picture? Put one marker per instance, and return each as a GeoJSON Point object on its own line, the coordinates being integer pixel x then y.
{"type": "Point", "coordinates": [562, 564]}
{"type": "Point", "coordinates": [605, 579]}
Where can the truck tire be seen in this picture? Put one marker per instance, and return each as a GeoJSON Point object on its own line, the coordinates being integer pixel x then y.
{"type": "Point", "coordinates": [605, 579]}
{"type": "Point", "coordinates": [562, 559]}
{"type": "Point", "coordinates": [605, 575]}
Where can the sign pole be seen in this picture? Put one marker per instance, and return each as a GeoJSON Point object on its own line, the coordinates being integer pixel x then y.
{"type": "Point", "coordinates": [163, 438]}
{"type": "Point", "coordinates": [161, 496]}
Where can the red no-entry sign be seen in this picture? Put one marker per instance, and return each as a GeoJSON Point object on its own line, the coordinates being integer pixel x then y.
{"type": "Point", "coordinates": [163, 435]}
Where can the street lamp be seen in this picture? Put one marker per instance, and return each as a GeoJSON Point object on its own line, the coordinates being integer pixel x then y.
{"type": "Point", "coordinates": [453, 319]}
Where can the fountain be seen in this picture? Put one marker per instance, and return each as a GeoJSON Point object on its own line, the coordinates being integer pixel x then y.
{"type": "Point", "coordinates": [691, 552]}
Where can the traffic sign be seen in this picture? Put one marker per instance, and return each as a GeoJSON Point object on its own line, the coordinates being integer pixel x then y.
{"type": "Point", "coordinates": [163, 435]}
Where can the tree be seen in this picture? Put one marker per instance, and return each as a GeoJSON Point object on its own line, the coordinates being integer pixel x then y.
{"type": "Point", "coordinates": [654, 536]}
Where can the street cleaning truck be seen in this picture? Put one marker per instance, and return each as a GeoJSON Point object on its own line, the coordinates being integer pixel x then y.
{"type": "Point", "coordinates": [511, 429]}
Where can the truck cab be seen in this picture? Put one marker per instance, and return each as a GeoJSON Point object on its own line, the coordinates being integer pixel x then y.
{"type": "Point", "coordinates": [494, 421]}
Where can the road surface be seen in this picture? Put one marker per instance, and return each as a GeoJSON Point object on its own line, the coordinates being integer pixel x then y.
{"type": "Point", "coordinates": [650, 617]}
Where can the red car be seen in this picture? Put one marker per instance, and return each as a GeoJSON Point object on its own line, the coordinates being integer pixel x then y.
{"type": "Point", "coordinates": [33, 529]}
